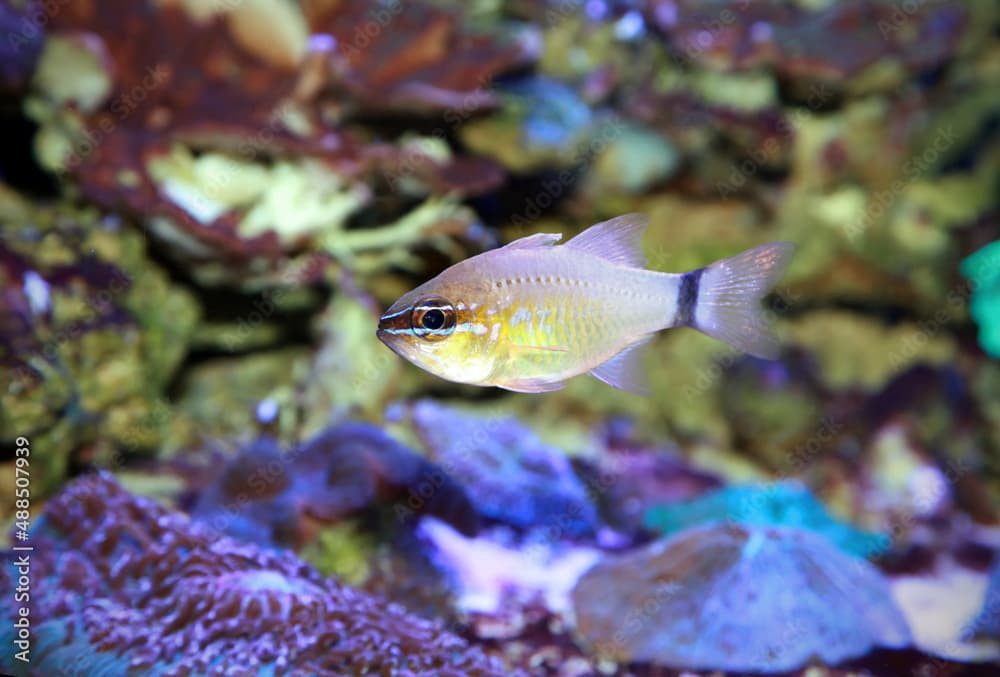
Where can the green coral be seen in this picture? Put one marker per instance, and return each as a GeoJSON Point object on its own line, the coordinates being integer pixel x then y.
{"type": "Point", "coordinates": [983, 270]}
{"type": "Point", "coordinates": [352, 371]}
{"type": "Point", "coordinates": [771, 422]}
{"type": "Point", "coordinates": [632, 161]}
{"type": "Point", "coordinates": [343, 550]}
{"type": "Point", "coordinates": [542, 124]}
{"type": "Point", "coordinates": [294, 199]}
{"type": "Point", "coordinates": [778, 504]}
{"type": "Point", "coordinates": [858, 352]}
{"type": "Point", "coordinates": [220, 397]}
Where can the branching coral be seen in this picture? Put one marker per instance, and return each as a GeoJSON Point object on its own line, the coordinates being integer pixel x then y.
{"type": "Point", "coordinates": [122, 586]}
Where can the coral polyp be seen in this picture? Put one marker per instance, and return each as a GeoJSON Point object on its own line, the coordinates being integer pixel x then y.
{"type": "Point", "coordinates": [123, 586]}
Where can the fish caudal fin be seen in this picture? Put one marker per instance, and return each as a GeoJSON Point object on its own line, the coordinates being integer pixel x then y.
{"type": "Point", "coordinates": [723, 300]}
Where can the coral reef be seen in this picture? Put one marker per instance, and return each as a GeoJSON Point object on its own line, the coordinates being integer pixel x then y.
{"type": "Point", "coordinates": [627, 477]}
{"type": "Point", "coordinates": [983, 271]}
{"type": "Point", "coordinates": [737, 598]}
{"type": "Point", "coordinates": [786, 504]}
{"type": "Point", "coordinates": [213, 163]}
{"type": "Point", "coordinates": [940, 603]}
{"type": "Point", "coordinates": [987, 622]}
{"type": "Point", "coordinates": [836, 43]}
{"type": "Point", "coordinates": [487, 571]}
{"type": "Point", "coordinates": [511, 475]}
{"type": "Point", "coordinates": [122, 586]}
{"type": "Point", "coordinates": [206, 206]}
{"type": "Point", "coordinates": [541, 124]}
{"type": "Point", "coordinates": [278, 499]}
{"type": "Point", "coordinates": [422, 58]}
{"type": "Point", "coordinates": [92, 331]}
{"type": "Point", "coordinates": [19, 53]}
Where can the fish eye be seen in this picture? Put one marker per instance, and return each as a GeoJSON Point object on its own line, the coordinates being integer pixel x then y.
{"type": "Point", "coordinates": [433, 318]}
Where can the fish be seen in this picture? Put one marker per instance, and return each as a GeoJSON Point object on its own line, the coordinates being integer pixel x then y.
{"type": "Point", "coordinates": [533, 314]}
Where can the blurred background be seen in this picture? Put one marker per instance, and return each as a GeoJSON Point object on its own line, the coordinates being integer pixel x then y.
{"type": "Point", "coordinates": [206, 204]}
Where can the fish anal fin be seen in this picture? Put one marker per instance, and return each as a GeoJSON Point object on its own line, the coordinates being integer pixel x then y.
{"type": "Point", "coordinates": [532, 386]}
{"type": "Point", "coordinates": [536, 240]}
{"type": "Point", "coordinates": [618, 240]}
{"type": "Point", "coordinates": [626, 370]}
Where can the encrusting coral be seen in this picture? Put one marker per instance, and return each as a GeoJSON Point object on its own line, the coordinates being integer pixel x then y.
{"type": "Point", "coordinates": [123, 586]}
{"type": "Point", "coordinates": [511, 475]}
{"type": "Point", "coordinates": [737, 598]}
{"type": "Point", "coordinates": [91, 330]}
{"type": "Point", "coordinates": [267, 497]}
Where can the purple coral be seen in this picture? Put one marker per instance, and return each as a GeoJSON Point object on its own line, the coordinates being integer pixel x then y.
{"type": "Point", "coordinates": [125, 586]}
{"type": "Point", "coordinates": [511, 476]}
{"type": "Point", "coordinates": [262, 494]}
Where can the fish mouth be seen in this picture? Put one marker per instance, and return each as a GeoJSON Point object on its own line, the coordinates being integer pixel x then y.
{"type": "Point", "coordinates": [389, 329]}
{"type": "Point", "coordinates": [392, 343]}
{"type": "Point", "coordinates": [394, 321]}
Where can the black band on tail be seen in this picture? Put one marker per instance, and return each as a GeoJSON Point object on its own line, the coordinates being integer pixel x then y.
{"type": "Point", "coordinates": [687, 298]}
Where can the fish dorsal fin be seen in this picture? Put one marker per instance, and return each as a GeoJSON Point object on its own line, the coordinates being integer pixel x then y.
{"type": "Point", "coordinates": [536, 240]}
{"type": "Point", "coordinates": [625, 370]}
{"type": "Point", "coordinates": [618, 240]}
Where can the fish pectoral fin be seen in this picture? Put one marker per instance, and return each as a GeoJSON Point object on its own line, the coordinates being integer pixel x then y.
{"type": "Point", "coordinates": [625, 370]}
{"type": "Point", "coordinates": [527, 349]}
{"type": "Point", "coordinates": [618, 240]}
{"type": "Point", "coordinates": [533, 386]}
{"type": "Point", "coordinates": [536, 240]}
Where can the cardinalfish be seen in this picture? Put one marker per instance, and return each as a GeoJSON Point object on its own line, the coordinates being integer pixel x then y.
{"type": "Point", "coordinates": [532, 314]}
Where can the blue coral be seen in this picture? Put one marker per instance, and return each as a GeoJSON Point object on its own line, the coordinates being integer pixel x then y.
{"type": "Point", "coordinates": [510, 474]}
{"type": "Point", "coordinates": [986, 624]}
{"type": "Point", "coordinates": [739, 599]}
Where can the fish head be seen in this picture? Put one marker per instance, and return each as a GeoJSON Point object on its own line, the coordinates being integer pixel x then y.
{"type": "Point", "coordinates": [435, 327]}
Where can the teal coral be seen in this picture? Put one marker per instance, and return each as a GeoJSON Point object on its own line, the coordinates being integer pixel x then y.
{"type": "Point", "coordinates": [779, 504]}
{"type": "Point", "coordinates": [983, 270]}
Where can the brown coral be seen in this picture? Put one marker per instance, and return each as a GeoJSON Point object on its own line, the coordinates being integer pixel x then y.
{"type": "Point", "coordinates": [184, 80]}
{"type": "Point", "coordinates": [835, 42]}
{"type": "Point", "coordinates": [419, 58]}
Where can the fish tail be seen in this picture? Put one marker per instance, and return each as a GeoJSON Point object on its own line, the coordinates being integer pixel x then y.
{"type": "Point", "coordinates": [723, 300]}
